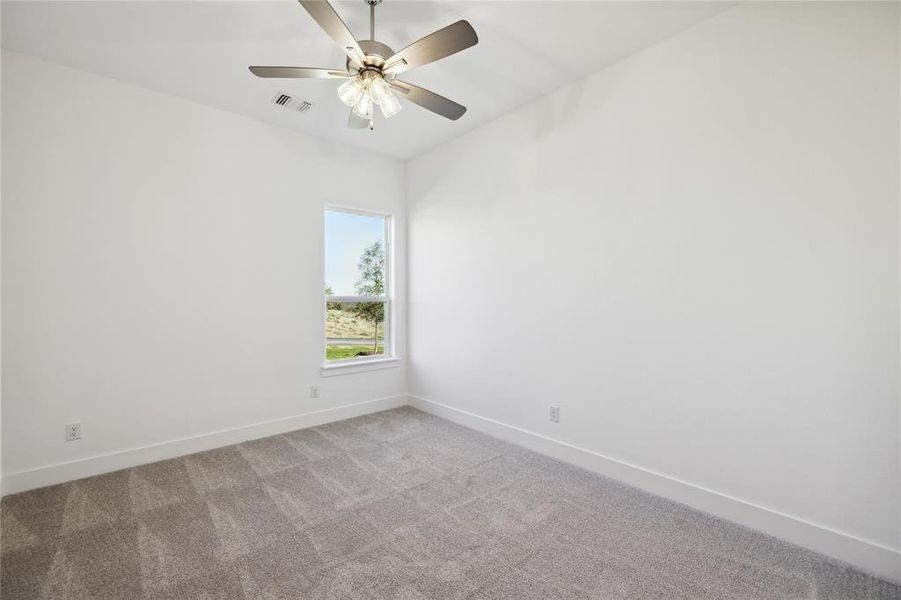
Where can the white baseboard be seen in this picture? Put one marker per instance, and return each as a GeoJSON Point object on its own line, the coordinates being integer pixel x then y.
{"type": "Point", "coordinates": [21, 481]}
{"type": "Point", "coordinates": [866, 555]}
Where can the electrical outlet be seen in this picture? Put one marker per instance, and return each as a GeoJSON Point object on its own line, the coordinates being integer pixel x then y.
{"type": "Point", "coordinates": [314, 391]}
{"type": "Point", "coordinates": [73, 432]}
{"type": "Point", "coordinates": [554, 414]}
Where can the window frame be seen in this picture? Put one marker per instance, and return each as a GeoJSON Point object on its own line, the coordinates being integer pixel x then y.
{"type": "Point", "coordinates": [363, 363]}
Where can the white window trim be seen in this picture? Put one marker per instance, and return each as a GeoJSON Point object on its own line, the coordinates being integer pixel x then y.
{"type": "Point", "coordinates": [358, 365]}
{"type": "Point", "coordinates": [389, 359]}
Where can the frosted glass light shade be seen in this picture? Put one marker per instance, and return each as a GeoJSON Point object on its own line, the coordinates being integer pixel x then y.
{"type": "Point", "coordinates": [390, 105]}
{"type": "Point", "coordinates": [351, 91]}
{"type": "Point", "coordinates": [379, 89]}
{"type": "Point", "coordinates": [364, 106]}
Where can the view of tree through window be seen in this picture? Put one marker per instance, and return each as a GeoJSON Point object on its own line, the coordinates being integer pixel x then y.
{"type": "Point", "coordinates": [355, 289]}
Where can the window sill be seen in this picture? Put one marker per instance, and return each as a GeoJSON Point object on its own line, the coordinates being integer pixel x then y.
{"type": "Point", "coordinates": [359, 366]}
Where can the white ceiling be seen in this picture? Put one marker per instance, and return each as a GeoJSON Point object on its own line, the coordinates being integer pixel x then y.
{"type": "Point", "coordinates": [201, 51]}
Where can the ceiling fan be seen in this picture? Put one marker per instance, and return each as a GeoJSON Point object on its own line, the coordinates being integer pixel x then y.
{"type": "Point", "coordinates": [372, 67]}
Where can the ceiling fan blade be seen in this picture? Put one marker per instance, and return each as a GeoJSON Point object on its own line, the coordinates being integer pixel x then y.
{"type": "Point", "coordinates": [435, 46]}
{"type": "Point", "coordinates": [357, 122]}
{"type": "Point", "coordinates": [429, 100]}
{"type": "Point", "coordinates": [298, 73]}
{"type": "Point", "coordinates": [323, 13]}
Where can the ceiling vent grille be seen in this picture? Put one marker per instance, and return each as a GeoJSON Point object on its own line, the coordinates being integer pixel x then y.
{"type": "Point", "coordinates": [292, 102]}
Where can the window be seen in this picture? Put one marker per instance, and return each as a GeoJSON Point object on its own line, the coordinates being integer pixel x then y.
{"type": "Point", "coordinates": [357, 286]}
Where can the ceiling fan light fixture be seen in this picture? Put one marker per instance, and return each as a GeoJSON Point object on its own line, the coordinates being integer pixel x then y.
{"type": "Point", "coordinates": [390, 105]}
{"type": "Point", "coordinates": [363, 107]}
{"type": "Point", "coordinates": [378, 88]}
{"type": "Point", "coordinates": [351, 91]}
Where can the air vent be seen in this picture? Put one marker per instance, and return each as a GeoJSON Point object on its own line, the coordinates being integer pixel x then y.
{"type": "Point", "coordinates": [292, 102]}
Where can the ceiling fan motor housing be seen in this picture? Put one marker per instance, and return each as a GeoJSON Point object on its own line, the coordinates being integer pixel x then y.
{"type": "Point", "coordinates": [376, 54]}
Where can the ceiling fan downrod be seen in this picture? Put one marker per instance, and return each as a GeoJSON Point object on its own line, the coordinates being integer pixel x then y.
{"type": "Point", "coordinates": [372, 4]}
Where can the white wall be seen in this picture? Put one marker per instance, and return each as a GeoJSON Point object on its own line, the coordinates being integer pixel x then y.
{"type": "Point", "coordinates": [695, 254]}
{"type": "Point", "coordinates": [162, 268]}
{"type": "Point", "coordinates": [1, 280]}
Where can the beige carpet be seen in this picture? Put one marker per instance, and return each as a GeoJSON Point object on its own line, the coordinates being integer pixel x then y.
{"type": "Point", "coordinates": [397, 504]}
